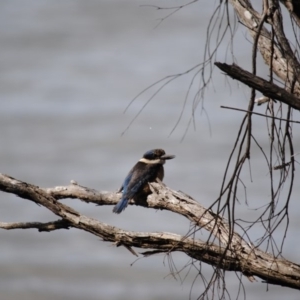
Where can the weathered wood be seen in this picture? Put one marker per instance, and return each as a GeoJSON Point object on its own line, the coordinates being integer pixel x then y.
{"type": "Point", "coordinates": [235, 254]}
{"type": "Point", "coordinates": [284, 63]}
{"type": "Point", "coordinates": [268, 89]}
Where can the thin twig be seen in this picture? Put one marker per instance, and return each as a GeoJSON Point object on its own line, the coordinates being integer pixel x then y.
{"type": "Point", "coordinates": [255, 113]}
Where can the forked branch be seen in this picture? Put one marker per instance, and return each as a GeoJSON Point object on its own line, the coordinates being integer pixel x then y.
{"type": "Point", "coordinates": [235, 254]}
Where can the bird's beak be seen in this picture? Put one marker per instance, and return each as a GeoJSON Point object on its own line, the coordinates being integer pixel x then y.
{"type": "Point", "coordinates": [167, 156]}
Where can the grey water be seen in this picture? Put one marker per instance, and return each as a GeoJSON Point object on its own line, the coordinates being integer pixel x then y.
{"type": "Point", "coordinates": [68, 71]}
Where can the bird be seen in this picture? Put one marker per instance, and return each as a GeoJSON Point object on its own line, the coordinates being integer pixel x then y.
{"type": "Point", "coordinates": [147, 169]}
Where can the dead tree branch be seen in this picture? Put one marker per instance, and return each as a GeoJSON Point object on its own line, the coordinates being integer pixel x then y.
{"type": "Point", "coordinates": [235, 254]}
{"type": "Point", "coordinates": [49, 226]}
{"type": "Point", "coordinates": [268, 89]}
{"type": "Point", "coordinates": [283, 61]}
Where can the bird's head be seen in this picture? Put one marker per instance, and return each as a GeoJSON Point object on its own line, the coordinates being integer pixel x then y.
{"type": "Point", "coordinates": [156, 156]}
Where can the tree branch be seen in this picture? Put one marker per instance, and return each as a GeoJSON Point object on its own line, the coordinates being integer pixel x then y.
{"type": "Point", "coordinates": [268, 89]}
{"type": "Point", "coordinates": [281, 62]}
{"type": "Point", "coordinates": [237, 255]}
{"type": "Point", "coordinates": [50, 226]}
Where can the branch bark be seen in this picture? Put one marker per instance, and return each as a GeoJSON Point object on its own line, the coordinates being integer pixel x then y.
{"type": "Point", "coordinates": [283, 61]}
{"type": "Point", "coordinates": [235, 254]}
{"type": "Point", "coordinates": [268, 89]}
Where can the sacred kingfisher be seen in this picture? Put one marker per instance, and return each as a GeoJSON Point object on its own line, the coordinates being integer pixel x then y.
{"type": "Point", "coordinates": [147, 169]}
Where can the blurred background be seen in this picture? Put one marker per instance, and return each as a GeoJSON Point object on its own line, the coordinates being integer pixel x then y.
{"type": "Point", "coordinates": [68, 70]}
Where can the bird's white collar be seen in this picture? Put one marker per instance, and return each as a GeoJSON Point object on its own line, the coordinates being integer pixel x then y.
{"type": "Point", "coordinates": [150, 162]}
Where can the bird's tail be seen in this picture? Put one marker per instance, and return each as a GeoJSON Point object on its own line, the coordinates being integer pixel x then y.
{"type": "Point", "coordinates": [121, 205]}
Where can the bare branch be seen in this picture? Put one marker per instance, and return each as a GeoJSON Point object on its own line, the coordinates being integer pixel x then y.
{"type": "Point", "coordinates": [270, 90]}
{"type": "Point", "coordinates": [258, 114]}
{"type": "Point", "coordinates": [237, 256]}
{"type": "Point", "coordinates": [76, 191]}
{"type": "Point", "coordinates": [50, 226]}
{"type": "Point", "coordinates": [284, 64]}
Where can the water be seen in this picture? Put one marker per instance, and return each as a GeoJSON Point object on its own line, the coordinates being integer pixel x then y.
{"type": "Point", "coordinates": [68, 71]}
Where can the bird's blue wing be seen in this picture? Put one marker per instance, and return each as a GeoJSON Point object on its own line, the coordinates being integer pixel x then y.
{"type": "Point", "coordinates": [127, 182]}
{"type": "Point", "coordinates": [138, 180]}
{"type": "Point", "coordinates": [122, 204]}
